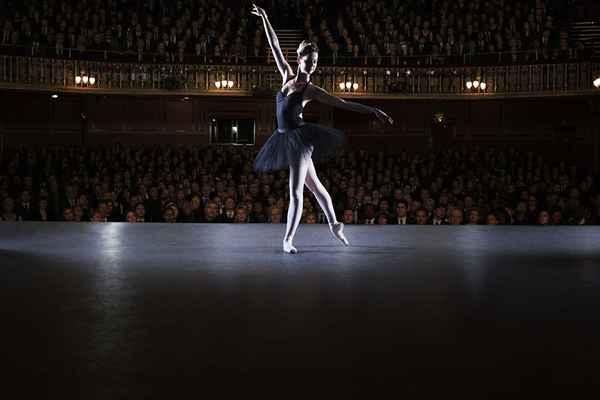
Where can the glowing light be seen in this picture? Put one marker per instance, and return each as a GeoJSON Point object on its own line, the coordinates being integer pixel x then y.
{"type": "Point", "coordinates": [597, 83]}
{"type": "Point", "coordinates": [223, 83]}
{"type": "Point", "coordinates": [54, 96]}
{"type": "Point", "coordinates": [348, 85]}
{"type": "Point", "coordinates": [483, 85]}
{"type": "Point", "coordinates": [92, 80]}
{"type": "Point", "coordinates": [475, 83]}
{"type": "Point", "coordinates": [218, 84]}
{"type": "Point", "coordinates": [341, 85]}
{"type": "Point", "coordinates": [469, 84]}
{"type": "Point", "coordinates": [355, 86]}
{"type": "Point", "coordinates": [408, 72]}
{"type": "Point", "coordinates": [388, 72]}
{"type": "Point", "coordinates": [77, 80]}
{"type": "Point", "coordinates": [85, 79]}
{"type": "Point", "coordinates": [229, 84]}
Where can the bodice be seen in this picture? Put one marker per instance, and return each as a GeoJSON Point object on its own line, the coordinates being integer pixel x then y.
{"type": "Point", "coordinates": [289, 110]}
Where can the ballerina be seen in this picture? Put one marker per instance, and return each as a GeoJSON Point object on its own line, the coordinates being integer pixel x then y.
{"type": "Point", "coordinates": [295, 143]}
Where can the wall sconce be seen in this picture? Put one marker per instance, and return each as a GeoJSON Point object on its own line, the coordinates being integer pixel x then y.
{"type": "Point", "coordinates": [84, 80]}
{"type": "Point", "coordinates": [476, 85]}
{"type": "Point", "coordinates": [348, 86]}
{"type": "Point", "coordinates": [224, 84]}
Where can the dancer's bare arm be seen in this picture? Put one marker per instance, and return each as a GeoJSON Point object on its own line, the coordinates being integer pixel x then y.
{"type": "Point", "coordinates": [314, 92]}
{"type": "Point", "coordinates": [284, 68]}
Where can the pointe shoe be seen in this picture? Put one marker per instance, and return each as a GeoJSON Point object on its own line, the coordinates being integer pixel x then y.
{"type": "Point", "coordinates": [288, 248]}
{"type": "Point", "coordinates": [337, 230]}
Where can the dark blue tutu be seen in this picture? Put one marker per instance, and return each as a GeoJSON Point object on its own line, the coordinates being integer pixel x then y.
{"type": "Point", "coordinates": [307, 140]}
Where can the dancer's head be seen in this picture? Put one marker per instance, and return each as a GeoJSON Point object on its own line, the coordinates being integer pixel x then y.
{"type": "Point", "coordinates": [308, 55]}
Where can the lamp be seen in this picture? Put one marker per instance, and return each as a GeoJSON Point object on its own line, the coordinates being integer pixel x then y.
{"type": "Point", "coordinates": [218, 84]}
{"type": "Point", "coordinates": [469, 84]}
{"type": "Point", "coordinates": [355, 86]}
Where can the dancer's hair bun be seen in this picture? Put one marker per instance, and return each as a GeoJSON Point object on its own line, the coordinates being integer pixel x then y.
{"type": "Point", "coordinates": [307, 47]}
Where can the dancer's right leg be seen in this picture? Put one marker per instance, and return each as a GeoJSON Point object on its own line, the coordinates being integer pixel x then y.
{"type": "Point", "coordinates": [298, 169]}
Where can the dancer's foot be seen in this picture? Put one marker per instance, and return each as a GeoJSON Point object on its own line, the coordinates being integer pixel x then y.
{"type": "Point", "coordinates": [337, 229]}
{"type": "Point", "coordinates": [288, 248]}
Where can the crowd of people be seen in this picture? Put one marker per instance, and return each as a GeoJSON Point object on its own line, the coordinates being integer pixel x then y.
{"type": "Point", "coordinates": [381, 31]}
{"type": "Point", "coordinates": [149, 30]}
{"type": "Point", "coordinates": [216, 184]}
{"type": "Point", "coordinates": [392, 30]}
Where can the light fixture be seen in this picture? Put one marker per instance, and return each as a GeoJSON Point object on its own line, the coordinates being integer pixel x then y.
{"type": "Point", "coordinates": [229, 84]}
{"type": "Point", "coordinates": [408, 72]}
{"type": "Point", "coordinates": [475, 83]}
{"type": "Point", "coordinates": [77, 80]}
{"type": "Point", "coordinates": [482, 85]}
{"type": "Point", "coordinates": [85, 79]}
{"type": "Point", "coordinates": [388, 72]}
{"type": "Point", "coordinates": [597, 82]}
{"type": "Point", "coordinates": [92, 80]}
{"type": "Point", "coordinates": [348, 84]}
{"type": "Point", "coordinates": [218, 84]}
{"type": "Point", "coordinates": [355, 86]}
{"type": "Point", "coordinates": [342, 86]}
{"type": "Point", "coordinates": [469, 84]}
{"type": "Point", "coordinates": [54, 96]}
{"type": "Point", "coordinates": [223, 83]}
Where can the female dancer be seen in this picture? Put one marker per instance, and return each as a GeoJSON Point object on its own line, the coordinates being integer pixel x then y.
{"type": "Point", "coordinates": [296, 143]}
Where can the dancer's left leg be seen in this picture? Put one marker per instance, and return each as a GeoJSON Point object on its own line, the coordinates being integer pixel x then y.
{"type": "Point", "coordinates": [313, 183]}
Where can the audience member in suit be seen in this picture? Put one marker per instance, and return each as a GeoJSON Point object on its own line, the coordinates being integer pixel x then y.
{"type": "Point", "coordinates": [439, 216]}
{"type": "Point", "coordinates": [24, 209]}
{"type": "Point", "coordinates": [401, 217]}
{"type": "Point", "coordinates": [368, 214]}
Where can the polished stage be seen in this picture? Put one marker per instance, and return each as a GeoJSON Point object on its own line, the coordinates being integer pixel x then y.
{"type": "Point", "coordinates": [132, 311]}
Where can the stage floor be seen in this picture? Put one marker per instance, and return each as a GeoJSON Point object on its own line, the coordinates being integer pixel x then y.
{"type": "Point", "coordinates": [125, 310]}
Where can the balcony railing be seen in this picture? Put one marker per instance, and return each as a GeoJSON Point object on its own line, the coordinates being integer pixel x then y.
{"type": "Point", "coordinates": [501, 79]}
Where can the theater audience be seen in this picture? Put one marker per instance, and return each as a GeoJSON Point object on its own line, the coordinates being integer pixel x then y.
{"type": "Point", "coordinates": [146, 184]}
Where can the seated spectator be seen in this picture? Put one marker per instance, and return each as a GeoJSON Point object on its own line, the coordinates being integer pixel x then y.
{"type": "Point", "coordinates": [421, 217]}
{"type": "Point", "coordinates": [491, 219]}
{"type": "Point", "coordinates": [456, 216]}
{"type": "Point", "coordinates": [348, 216]}
{"type": "Point", "coordinates": [473, 217]}
{"type": "Point", "coordinates": [382, 219]}
{"type": "Point", "coordinates": [8, 210]}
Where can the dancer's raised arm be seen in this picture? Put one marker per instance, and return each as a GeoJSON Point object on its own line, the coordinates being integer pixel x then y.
{"type": "Point", "coordinates": [284, 68]}
{"type": "Point", "coordinates": [316, 93]}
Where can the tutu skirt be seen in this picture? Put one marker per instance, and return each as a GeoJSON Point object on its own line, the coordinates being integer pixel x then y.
{"type": "Point", "coordinates": [308, 140]}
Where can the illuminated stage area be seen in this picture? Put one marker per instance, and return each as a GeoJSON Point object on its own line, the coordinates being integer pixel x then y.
{"type": "Point", "coordinates": [137, 310]}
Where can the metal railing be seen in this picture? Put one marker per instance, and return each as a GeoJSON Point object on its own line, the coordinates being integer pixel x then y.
{"type": "Point", "coordinates": [505, 79]}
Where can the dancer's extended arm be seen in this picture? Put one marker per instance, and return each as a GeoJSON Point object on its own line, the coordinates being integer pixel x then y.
{"type": "Point", "coordinates": [284, 68]}
{"type": "Point", "coordinates": [321, 95]}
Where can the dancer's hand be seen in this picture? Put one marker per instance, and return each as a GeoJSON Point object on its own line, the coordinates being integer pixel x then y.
{"type": "Point", "coordinates": [383, 116]}
{"type": "Point", "coordinates": [258, 11]}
